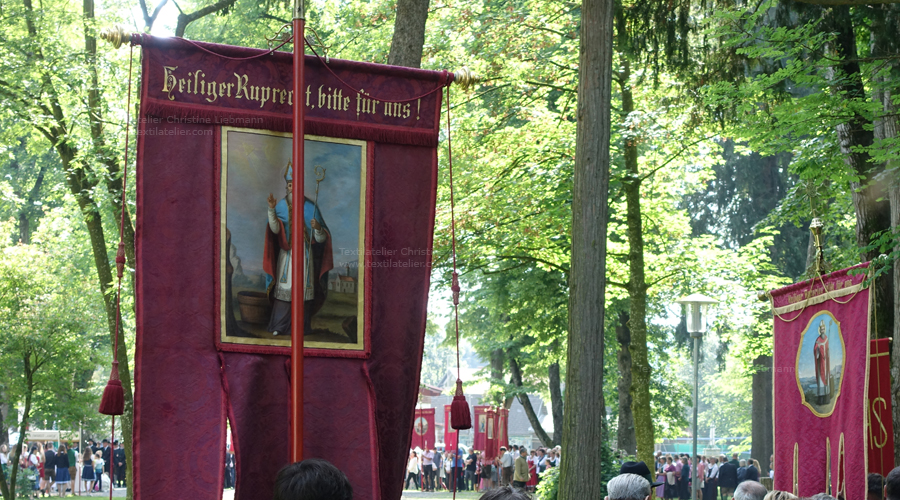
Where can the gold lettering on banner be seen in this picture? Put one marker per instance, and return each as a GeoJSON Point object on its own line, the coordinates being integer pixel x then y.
{"type": "Point", "coordinates": [829, 287]}
{"type": "Point", "coordinates": [881, 440]}
{"type": "Point", "coordinates": [324, 97]}
{"type": "Point", "coordinates": [169, 81]}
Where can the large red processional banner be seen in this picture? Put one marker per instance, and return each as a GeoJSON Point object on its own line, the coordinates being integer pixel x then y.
{"type": "Point", "coordinates": [821, 353]}
{"type": "Point", "coordinates": [213, 265]}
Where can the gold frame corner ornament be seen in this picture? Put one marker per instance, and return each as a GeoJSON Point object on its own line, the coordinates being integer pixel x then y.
{"type": "Point", "coordinates": [837, 392]}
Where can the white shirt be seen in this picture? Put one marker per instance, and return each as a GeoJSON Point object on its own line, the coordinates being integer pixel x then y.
{"type": "Point", "coordinates": [4, 458]}
{"type": "Point", "coordinates": [713, 471]}
{"type": "Point", "coordinates": [413, 465]}
{"type": "Point", "coordinates": [506, 460]}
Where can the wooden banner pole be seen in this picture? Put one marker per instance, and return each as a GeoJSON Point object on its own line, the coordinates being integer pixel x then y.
{"type": "Point", "coordinates": [298, 227]}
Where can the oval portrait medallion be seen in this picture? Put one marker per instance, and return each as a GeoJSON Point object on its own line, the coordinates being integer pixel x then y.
{"type": "Point", "coordinates": [820, 364]}
{"type": "Point", "coordinates": [421, 426]}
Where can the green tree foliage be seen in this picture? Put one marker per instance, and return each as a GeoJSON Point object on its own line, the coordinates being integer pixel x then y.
{"type": "Point", "coordinates": [45, 344]}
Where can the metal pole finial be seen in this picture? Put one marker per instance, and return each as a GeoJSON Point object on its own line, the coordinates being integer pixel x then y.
{"type": "Point", "coordinates": [115, 35]}
{"type": "Point", "coordinates": [465, 78]}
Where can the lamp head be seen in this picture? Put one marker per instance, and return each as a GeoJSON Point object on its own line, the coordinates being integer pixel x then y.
{"type": "Point", "coordinates": [697, 308]}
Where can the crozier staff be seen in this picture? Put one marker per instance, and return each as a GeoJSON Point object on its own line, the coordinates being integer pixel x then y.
{"type": "Point", "coordinates": [277, 259]}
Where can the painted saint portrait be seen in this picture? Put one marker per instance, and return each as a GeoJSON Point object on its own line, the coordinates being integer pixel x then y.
{"type": "Point", "coordinates": [820, 364]}
{"type": "Point", "coordinates": [421, 426]}
{"type": "Point", "coordinates": [256, 240]}
{"type": "Point", "coordinates": [482, 422]}
{"type": "Point", "coordinates": [490, 428]}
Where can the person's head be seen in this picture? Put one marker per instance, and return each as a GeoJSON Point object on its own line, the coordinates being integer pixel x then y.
{"type": "Point", "coordinates": [34, 448]}
{"type": "Point", "coordinates": [505, 493]}
{"type": "Point", "coordinates": [722, 458]}
{"type": "Point", "coordinates": [743, 463]}
{"type": "Point", "coordinates": [714, 460]}
{"type": "Point", "coordinates": [98, 455]}
{"type": "Point", "coordinates": [750, 490]}
{"type": "Point", "coordinates": [684, 459]}
{"type": "Point", "coordinates": [87, 453]}
{"type": "Point", "coordinates": [516, 447]}
{"type": "Point", "coordinates": [875, 487]}
{"type": "Point", "coordinates": [892, 485]}
{"type": "Point", "coordinates": [62, 447]}
{"type": "Point", "coordinates": [628, 487]}
{"type": "Point", "coordinates": [105, 443]}
{"type": "Point", "coordinates": [541, 452]}
{"type": "Point", "coordinates": [756, 464]}
{"type": "Point", "coordinates": [312, 479]}
{"type": "Point", "coordinates": [822, 496]}
{"type": "Point", "coordinates": [669, 459]}
{"type": "Point", "coordinates": [4, 448]}
{"type": "Point", "coordinates": [734, 456]}
{"type": "Point", "coordinates": [503, 449]}
{"type": "Point", "coordinates": [780, 495]}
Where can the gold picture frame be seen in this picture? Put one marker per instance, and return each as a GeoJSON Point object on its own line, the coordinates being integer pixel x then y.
{"type": "Point", "coordinates": [253, 164]}
{"type": "Point", "coordinates": [811, 386]}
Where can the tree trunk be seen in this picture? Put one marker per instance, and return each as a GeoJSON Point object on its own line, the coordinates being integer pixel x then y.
{"type": "Point", "coordinates": [626, 442]}
{"type": "Point", "coordinates": [762, 432]}
{"type": "Point", "coordinates": [409, 33]}
{"type": "Point", "coordinates": [895, 346]}
{"type": "Point", "coordinates": [556, 402]}
{"type": "Point", "coordinates": [873, 212]}
{"type": "Point", "coordinates": [637, 285]}
{"type": "Point", "coordinates": [885, 129]}
{"type": "Point", "coordinates": [114, 185]}
{"type": "Point", "coordinates": [522, 396]}
{"type": "Point", "coordinates": [4, 411]}
{"type": "Point", "coordinates": [584, 430]}
{"type": "Point", "coordinates": [8, 488]}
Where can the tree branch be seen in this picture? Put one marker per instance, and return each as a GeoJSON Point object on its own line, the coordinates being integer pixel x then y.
{"type": "Point", "coordinates": [185, 19]}
{"type": "Point", "coordinates": [847, 2]}
{"type": "Point", "coordinates": [617, 284]}
{"type": "Point", "coordinates": [664, 278]}
{"type": "Point", "coordinates": [534, 259]}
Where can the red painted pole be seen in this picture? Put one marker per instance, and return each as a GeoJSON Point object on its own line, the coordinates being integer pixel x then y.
{"type": "Point", "coordinates": [297, 239]}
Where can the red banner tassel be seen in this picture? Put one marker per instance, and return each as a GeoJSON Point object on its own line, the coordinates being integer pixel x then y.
{"type": "Point", "coordinates": [113, 401]}
{"type": "Point", "coordinates": [460, 418]}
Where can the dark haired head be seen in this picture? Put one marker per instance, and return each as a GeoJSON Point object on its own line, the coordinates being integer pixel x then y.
{"type": "Point", "coordinates": [892, 485]}
{"type": "Point", "coordinates": [875, 487]}
{"type": "Point", "coordinates": [505, 493]}
{"type": "Point", "coordinates": [312, 479]}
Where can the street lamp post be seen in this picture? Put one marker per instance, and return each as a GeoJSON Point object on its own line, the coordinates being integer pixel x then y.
{"type": "Point", "coordinates": [697, 306]}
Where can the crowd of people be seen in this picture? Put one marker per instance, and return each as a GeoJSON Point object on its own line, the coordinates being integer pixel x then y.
{"type": "Point", "coordinates": [635, 486]}
{"type": "Point", "coordinates": [719, 477]}
{"type": "Point", "coordinates": [315, 479]}
{"type": "Point", "coordinates": [66, 469]}
{"type": "Point", "coordinates": [433, 470]}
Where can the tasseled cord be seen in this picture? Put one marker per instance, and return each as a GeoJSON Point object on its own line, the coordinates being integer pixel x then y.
{"type": "Point", "coordinates": [460, 417]}
{"type": "Point", "coordinates": [113, 401]}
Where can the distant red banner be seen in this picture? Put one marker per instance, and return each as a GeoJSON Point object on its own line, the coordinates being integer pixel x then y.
{"type": "Point", "coordinates": [821, 349]}
{"type": "Point", "coordinates": [881, 425]}
{"type": "Point", "coordinates": [423, 429]}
